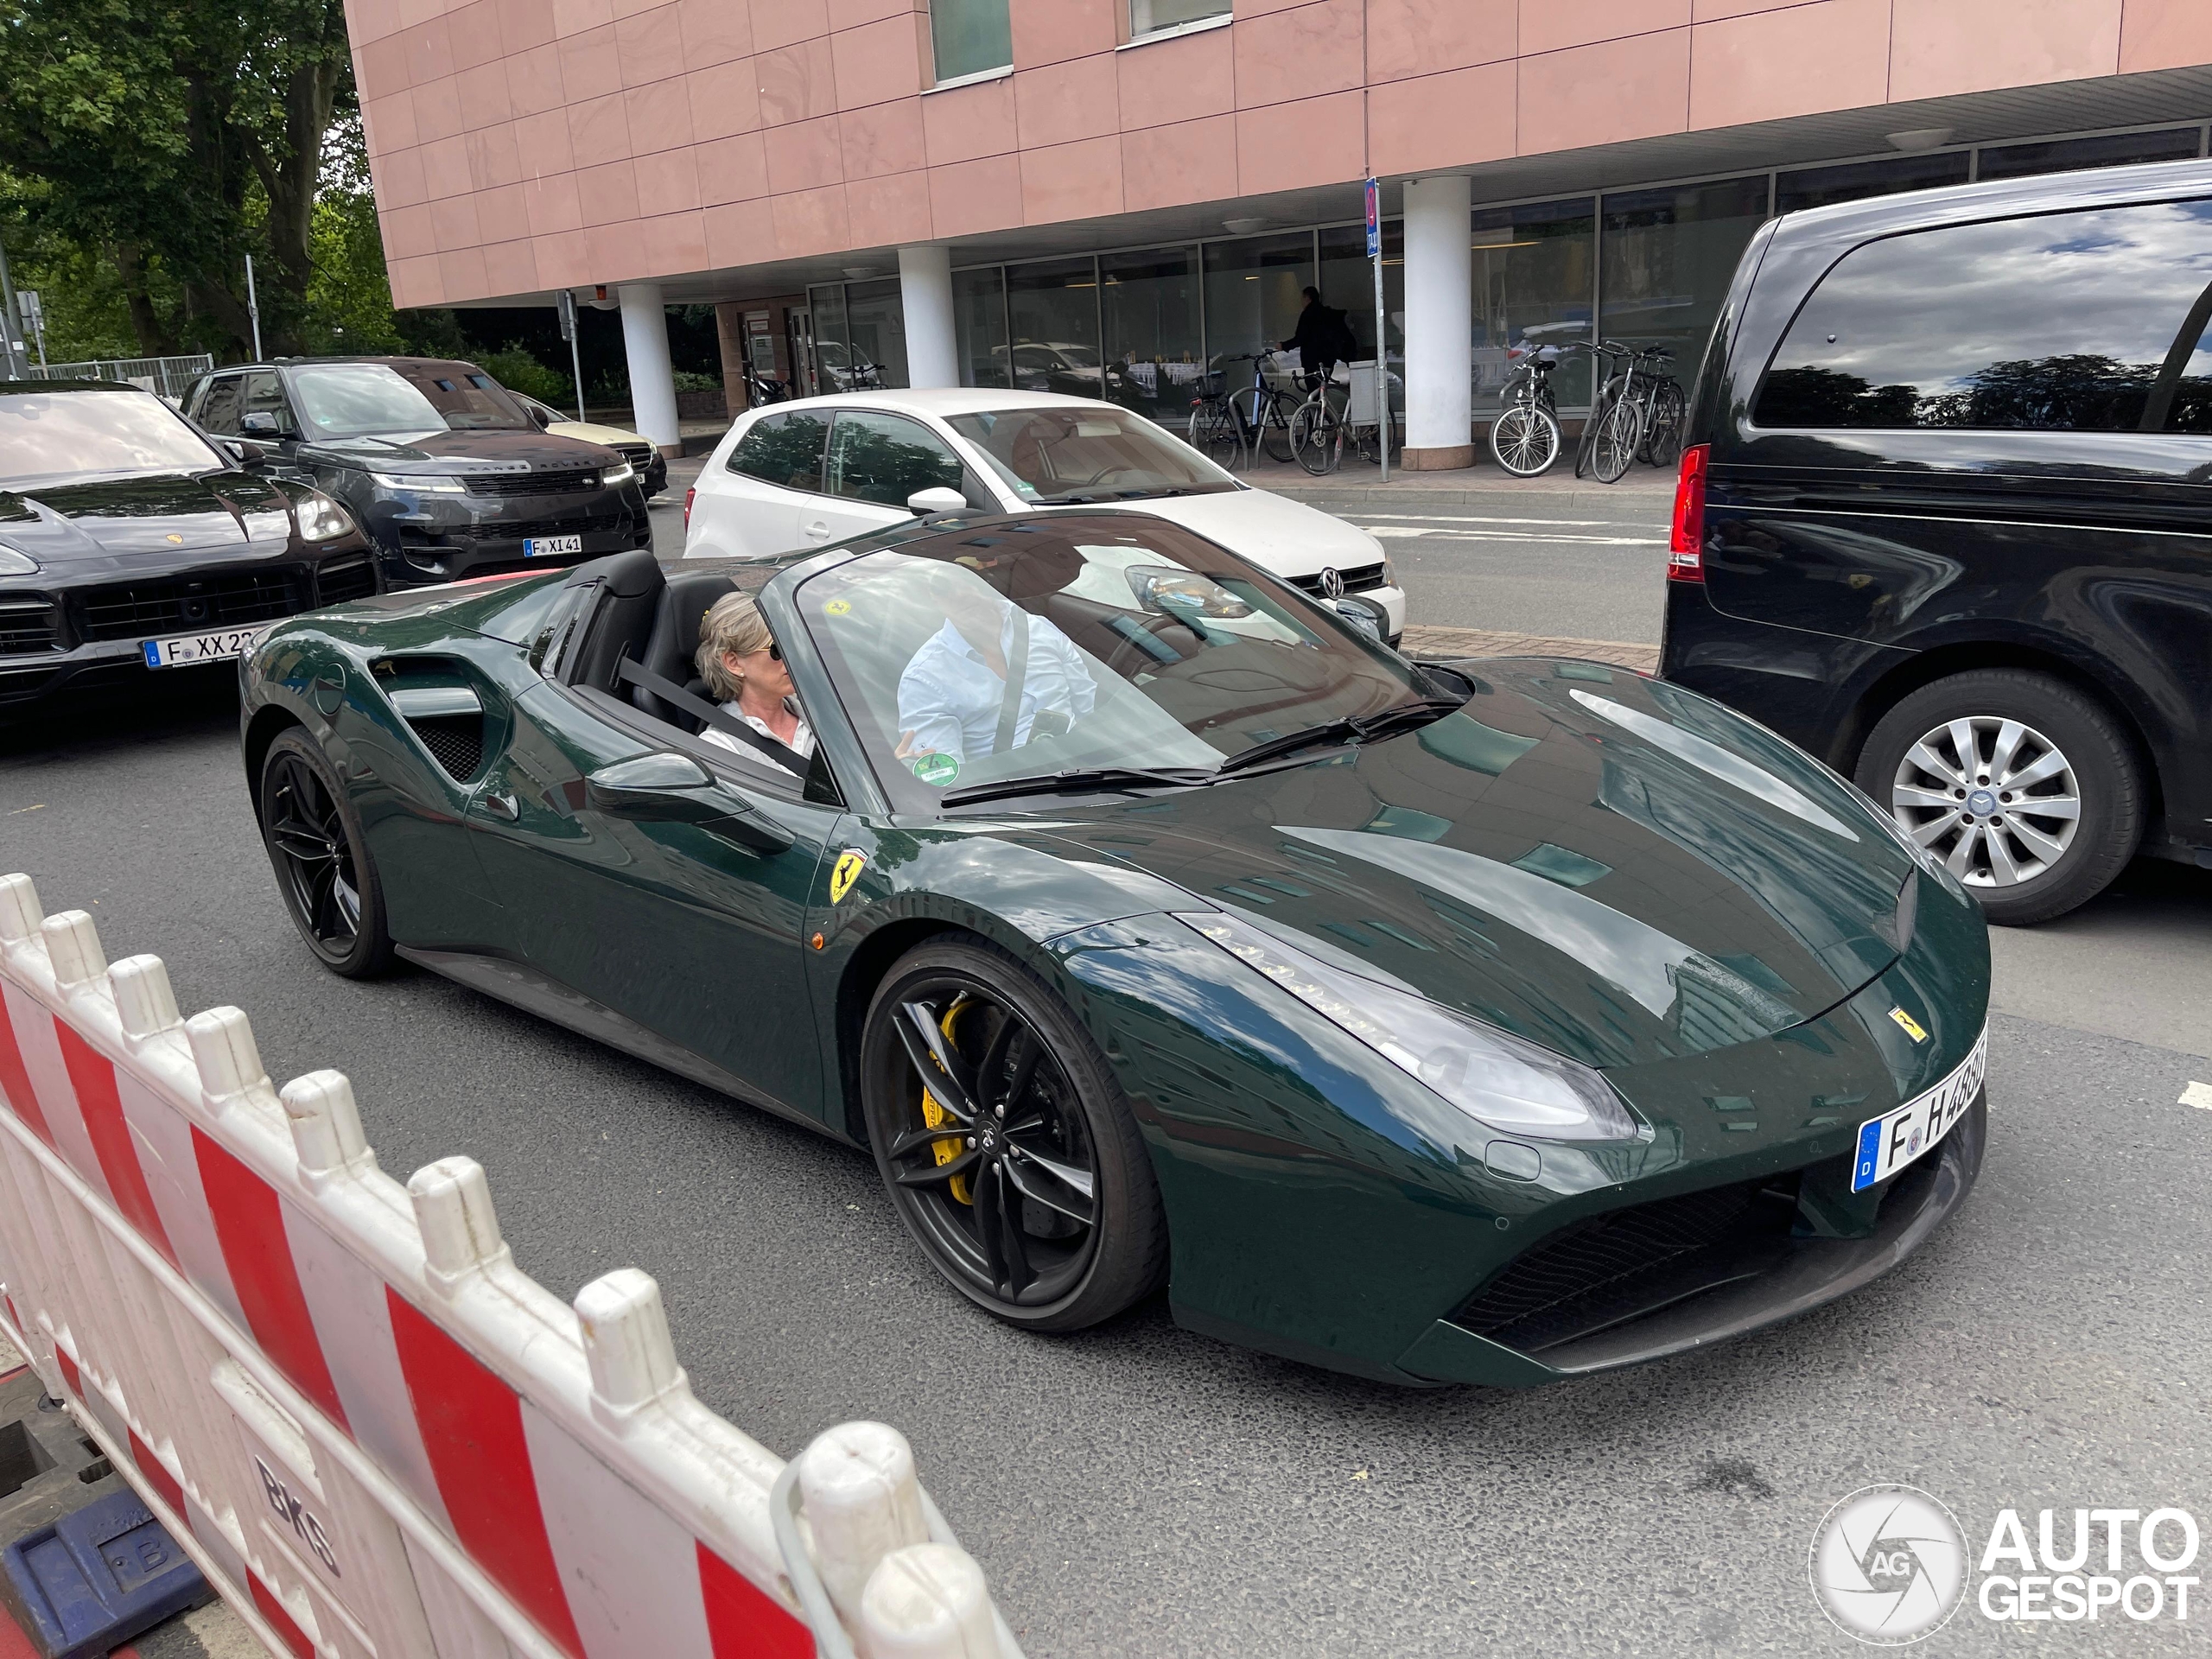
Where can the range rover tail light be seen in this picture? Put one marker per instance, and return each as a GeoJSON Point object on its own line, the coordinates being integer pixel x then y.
{"type": "Point", "coordinates": [1686, 547]}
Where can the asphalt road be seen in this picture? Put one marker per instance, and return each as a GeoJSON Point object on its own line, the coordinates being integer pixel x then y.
{"type": "Point", "coordinates": [1140, 1490]}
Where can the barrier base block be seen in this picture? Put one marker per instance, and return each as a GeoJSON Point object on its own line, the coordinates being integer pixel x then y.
{"type": "Point", "coordinates": [93, 1579]}
{"type": "Point", "coordinates": [48, 1467]}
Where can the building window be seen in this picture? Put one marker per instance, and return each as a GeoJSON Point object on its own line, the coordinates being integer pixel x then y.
{"type": "Point", "coordinates": [1817, 187]}
{"type": "Point", "coordinates": [1667, 256]}
{"type": "Point", "coordinates": [1148, 302]}
{"type": "Point", "coordinates": [876, 325]}
{"type": "Point", "coordinates": [2065, 154]}
{"type": "Point", "coordinates": [2087, 321]}
{"type": "Point", "coordinates": [971, 37]}
{"type": "Point", "coordinates": [1534, 275]}
{"type": "Point", "coordinates": [1150, 17]}
{"type": "Point", "coordinates": [1348, 283]}
{"type": "Point", "coordinates": [979, 324]}
{"type": "Point", "coordinates": [1053, 311]}
{"type": "Point", "coordinates": [1255, 290]}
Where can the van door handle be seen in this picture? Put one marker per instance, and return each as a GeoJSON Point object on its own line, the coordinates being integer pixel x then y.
{"type": "Point", "coordinates": [818, 530]}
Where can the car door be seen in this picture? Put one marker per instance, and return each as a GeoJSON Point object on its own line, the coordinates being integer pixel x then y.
{"type": "Point", "coordinates": [216, 405]}
{"type": "Point", "coordinates": [876, 460]}
{"type": "Point", "coordinates": [749, 506]}
{"type": "Point", "coordinates": [689, 932]}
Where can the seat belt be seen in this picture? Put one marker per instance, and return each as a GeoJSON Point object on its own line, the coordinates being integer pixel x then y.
{"type": "Point", "coordinates": [1017, 676]}
{"type": "Point", "coordinates": [669, 691]}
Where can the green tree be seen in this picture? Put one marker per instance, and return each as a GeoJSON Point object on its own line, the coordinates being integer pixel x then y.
{"type": "Point", "coordinates": [175, 137]}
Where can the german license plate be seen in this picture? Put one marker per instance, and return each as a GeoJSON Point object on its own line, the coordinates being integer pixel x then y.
{"type": "Point", "coordinates": [539, 547]}
{"type": "Point", "coordinates": [196, 647]}
{"type": "Point", "coordinates": [1888, 1143]}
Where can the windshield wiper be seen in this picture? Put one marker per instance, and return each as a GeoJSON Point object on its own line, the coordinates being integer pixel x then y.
{"type": "Point", "coordinates": [1352, 728]}
{"type": "Point", "coordinates": [1079, 779]}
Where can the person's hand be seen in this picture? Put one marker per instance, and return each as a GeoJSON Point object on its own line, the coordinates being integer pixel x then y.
{"type": "Point", "coordinates": [905, 751]}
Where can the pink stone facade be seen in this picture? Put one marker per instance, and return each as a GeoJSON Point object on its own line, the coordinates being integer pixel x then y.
{"type": "Point", "coordinates": [523, 145]}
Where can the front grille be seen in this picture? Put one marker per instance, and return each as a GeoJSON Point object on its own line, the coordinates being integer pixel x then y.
{"type": "Point", "coordinates": [128, 610]}
{"type": "Point", "coordinates": [567, 483]}
{"type": "Point", "coordinates": [1560, 1285]}
{"type": "Point", "coordinates": [338, 580]}
{"type": "Point", "coordinates": [639, 455]}
{"type": "Point", "coordinates": [575, 525]}
{"type": "Point", "coordinates": [29, 622]}
{"type": "Point", "coordinates": [1357, 581]}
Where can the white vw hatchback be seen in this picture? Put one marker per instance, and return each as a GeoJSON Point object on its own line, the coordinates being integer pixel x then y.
{"type": "Point", "coordinates": [821, 469]}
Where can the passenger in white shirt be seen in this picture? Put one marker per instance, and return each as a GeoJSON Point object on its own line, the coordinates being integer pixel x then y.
{"type": "Point", "coordinates": [952, 695]}
{"type": "Point", "coordinates": [744, 670]}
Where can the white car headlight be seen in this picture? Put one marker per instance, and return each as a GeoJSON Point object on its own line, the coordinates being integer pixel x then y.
{"type": "Point", "coordinates": [428, 483]}
{"type": "Point", "coordinates": [13, 563]}
{"type": "Point", "coordinates": [321, 519]}
{"type": "Point", "coordinates": [1493, 1076]}
{"type": "Point", "coordinates": [620, 472]}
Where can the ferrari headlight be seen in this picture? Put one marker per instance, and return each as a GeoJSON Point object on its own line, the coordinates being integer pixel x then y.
{"type": "Point", "coordinates": [321, 519]}
{"type": "Point", "coordinates": [1496, 1079]}
{"type": "Point", "coordinates": [620, 472]}
{"type": "Point", "coordinates": [13, 563]}
{"type": "Point", "coordinates": [428, 483]}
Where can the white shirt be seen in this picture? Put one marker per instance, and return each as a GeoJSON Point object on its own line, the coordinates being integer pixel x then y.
{"type": "Point", "coordinates": [801, 741]}
{"type": "Point", "coordinates": [950, 697]}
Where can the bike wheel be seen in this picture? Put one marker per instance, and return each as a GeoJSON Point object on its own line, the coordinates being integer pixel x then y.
{"type": "Point", "coordinates": [1274, 432]}
{"type": "Point", "coordinates": [1213, 433]}
{"type": "Point", "coordinates": [1587, 442]}
{"type": "Point", "coordinates": [1662, 434]}
{"type": "Point", "coordinates": [1524, 440]}
{"type": "Point", "coordinates": [1614, 452]}
{"type": "Point", "coordinates": [1316, 438]}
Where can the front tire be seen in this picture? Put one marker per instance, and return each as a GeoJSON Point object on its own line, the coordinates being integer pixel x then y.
{"type": "Point", "coordinates": [2027, 789]}
{"type": "Point", "coordinates": [1524, 440]}
{"type": "Point", "coordinates": [1009, 1151]}
{"type": "Point", "coordinates": [323, 869]}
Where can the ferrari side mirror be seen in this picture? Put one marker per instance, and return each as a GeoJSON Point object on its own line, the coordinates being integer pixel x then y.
{"type": "Point", "coordinates": [671, 788]}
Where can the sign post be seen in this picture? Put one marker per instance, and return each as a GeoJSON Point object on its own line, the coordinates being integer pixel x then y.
{"type": "Point", "coordinates": [33, 316]}
{"type": "Point", "coordinates": [253, 308]}
{"type": "Point", "coordinates": [576, 352]}
{"type": "Point", "coordinates": [1381, 336]}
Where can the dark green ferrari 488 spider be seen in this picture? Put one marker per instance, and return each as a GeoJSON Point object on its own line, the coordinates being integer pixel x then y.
{"type": "Point", "coordinates": [1152, 924]}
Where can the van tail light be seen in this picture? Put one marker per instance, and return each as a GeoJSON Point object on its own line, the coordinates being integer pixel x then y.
{"type": "Point", "coordinates": [691, 495]}
{"type": "Point", "coordinates": [1686, 548]}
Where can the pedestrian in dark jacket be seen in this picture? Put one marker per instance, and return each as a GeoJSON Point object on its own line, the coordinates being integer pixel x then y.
{"type": "Point", "coordinates": [1324, 337]}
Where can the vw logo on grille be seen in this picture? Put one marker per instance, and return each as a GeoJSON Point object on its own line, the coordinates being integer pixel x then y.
{"type": "Point", "coordinates": [1333, 582]}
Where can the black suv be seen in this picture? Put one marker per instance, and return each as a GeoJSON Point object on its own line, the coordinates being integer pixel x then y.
{"type": "Point", "coordinates": [1946, 518]}
{"type": "Point", "coordinates": [449, 474]}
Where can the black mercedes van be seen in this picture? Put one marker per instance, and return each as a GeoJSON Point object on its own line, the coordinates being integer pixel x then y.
{"type": "Point", "coordinates": [1945, 518]}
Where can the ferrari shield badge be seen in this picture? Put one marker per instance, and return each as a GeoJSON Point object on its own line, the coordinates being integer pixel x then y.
{"type": "Point", "coordinates": [847, 871]}
{"type": "Point", "coordinates": [1906, 1023]}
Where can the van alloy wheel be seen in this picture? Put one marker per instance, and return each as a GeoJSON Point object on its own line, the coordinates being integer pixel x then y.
{"type": "Point", "coordinates": [1995, 799]}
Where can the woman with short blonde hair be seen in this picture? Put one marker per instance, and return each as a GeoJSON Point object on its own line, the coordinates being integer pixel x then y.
{"type": "Point", "coordinates": [743, 667]}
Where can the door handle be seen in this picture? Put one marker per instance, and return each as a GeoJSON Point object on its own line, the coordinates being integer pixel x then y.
{"type": "Point", "coordinates": [503, 806]}
{"type": "Point", "coordinates": [818, 530]}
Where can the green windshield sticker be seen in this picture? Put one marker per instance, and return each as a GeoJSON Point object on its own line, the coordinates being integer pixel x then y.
{"type": "Point", "coordinates": [935, 770]}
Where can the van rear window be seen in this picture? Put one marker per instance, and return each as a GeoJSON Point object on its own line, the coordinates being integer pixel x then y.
{"type": "Point", "coordinates": [2085, 321]}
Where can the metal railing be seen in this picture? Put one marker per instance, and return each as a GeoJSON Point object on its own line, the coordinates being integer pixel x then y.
{"type": "Point", "coordinates": [169, 376]}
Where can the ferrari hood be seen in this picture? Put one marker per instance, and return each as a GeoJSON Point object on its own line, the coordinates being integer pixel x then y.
{"type": "Point", "coordinates": [1609, 866]}
{"type": "Point", "coordinates": [461, 452]}
{"type": "Point", "coordinates": [173, 512]}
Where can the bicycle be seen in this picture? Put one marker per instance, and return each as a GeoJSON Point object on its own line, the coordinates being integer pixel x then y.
{"type": "Point", "coordinates": [760, 389]}
{"type": "Point", "coordinates": [1631, 421]}
{"type": "Point", "coordinates": [1524, 439]}
{"type": "Point", "coordinates": [1321, 426]}
{"type": "Point", "coordinates": [1218, 420]}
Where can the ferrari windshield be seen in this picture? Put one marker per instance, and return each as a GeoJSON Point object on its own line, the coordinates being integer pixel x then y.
{"type": "Point", "coordinates": [1058, 453]}
{"type": "Point", "coordinates": [1081, 643]}
{"type": "Point", "coordinates": [48, 435]}
{"type": "Point", "coordinates": [353, 400]}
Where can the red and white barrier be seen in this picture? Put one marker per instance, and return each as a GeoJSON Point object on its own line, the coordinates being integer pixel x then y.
{"type": "Point", "coordinates": [374, 1432]}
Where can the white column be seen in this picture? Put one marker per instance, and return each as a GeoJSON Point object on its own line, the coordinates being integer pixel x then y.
{"type": "Point", "coordinates": [1439, 398]}
{"type": "Point", "coordinates": [926, 291]}
{"type": "Point", "coordinates": [653, 381]}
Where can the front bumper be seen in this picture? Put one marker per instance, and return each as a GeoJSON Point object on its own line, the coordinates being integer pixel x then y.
{"type": "Point", "coordinates": [423, 539]}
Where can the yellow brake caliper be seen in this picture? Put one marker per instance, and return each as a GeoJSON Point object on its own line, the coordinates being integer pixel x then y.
{"type": "Point", "coordinates": [934, 1115]}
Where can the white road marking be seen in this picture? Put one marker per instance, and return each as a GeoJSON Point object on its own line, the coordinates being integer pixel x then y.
{"type": "Point", "coordinates": [2198, 1095]}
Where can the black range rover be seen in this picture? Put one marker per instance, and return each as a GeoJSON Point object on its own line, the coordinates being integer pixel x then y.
{"type": "Point", "coordinates": [1945, 518]}
{"type": "Point", "coordinates": [451, 476]}
{"type": "Point", "coordinates": [130, 542]}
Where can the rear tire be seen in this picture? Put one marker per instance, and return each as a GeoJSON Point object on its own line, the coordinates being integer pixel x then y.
{"type": "Point", "coordinates": [1524, 440]}
{"type": "Point", "coordinates": [1316, 438]}
{"type": "Point", "coordinates": [2053, 841]}
{"type": "Point", "coordinates": [1614, 451]}
{"type": "Point", "coordinates": [1274, 432]}
{"type": "Point", "coordinates": [1213, 435]}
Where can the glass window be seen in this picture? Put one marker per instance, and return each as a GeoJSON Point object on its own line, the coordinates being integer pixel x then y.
{"type": "Point", "coordinates": [875, 327]}
{"type": "Point", "coordinates": [1348, 283]}
{"type": "Point", "coordinates": [1534, 274]}
{"type": "Point", "coordinates": [1054, 310]}
{"type": "Point", "coordinates": [885, 458]}
{"type": "Point", "coordinates": [2081, 322]}
{"type": "Point", "coordinates": [1145, 645]}
{"type": "Point", "coordinates": [833, 355]}
{"type": "Point", "coordinates": [971, 36]}
{"type": "Point", "coordinates": [2065, 154]}
{"type": "Point", "coordinates": [1816, 187]}
{"type": "Point", "coordinates": [1150, 301]}
{"type": "Point", "coordinates": [468, 399]}
{"type": "Point", "coordinates": [96, 434]}
{"type": "Point", "coordinates": [1082, 455]}
{"type": "Point", "coordinates": [979, 324]}
{"type": "Point", "coordinates": [1669, 255]}
{"type": "Point", "coordinates": [218, 404]}
{"type": "Point", "coordinates": [347, 400]}
{"type": "Point", "coordinates": [1150, 17]}
{"type": "Point", "coordinates": [784, 449]}
{"type": "Point", "coordinates": [1255, 290]}
{"type": "Point", "coordinates": [264, 394]}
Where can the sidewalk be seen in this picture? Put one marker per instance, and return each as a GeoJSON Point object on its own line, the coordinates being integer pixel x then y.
{"type": "Point", "coordinates": [1357, 484]}
{"type": "Point", "coordinates": [1446, 644]}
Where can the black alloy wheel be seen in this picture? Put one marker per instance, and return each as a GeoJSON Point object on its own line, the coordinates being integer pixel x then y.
{"type": "Point", "coordinates": [314, 845]}
{"type": "Point", "coordinates": [1007, 1146]}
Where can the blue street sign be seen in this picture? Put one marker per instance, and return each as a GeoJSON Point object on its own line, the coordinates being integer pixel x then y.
{"type": "Point", "coordinates": [1374, 219]}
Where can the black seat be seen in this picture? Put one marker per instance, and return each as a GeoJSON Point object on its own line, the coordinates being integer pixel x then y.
{"type": "Point", "coordinates": [629, 584]}
{"type": "Point", "coordinates": [673, 646]}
